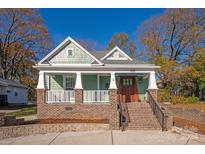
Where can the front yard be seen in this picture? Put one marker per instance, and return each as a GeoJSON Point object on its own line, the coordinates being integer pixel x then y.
{"type": "Point", "coordinates": [22, 110]}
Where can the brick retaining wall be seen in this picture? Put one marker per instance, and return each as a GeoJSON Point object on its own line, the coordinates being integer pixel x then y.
{"type": "Point", "coordinates": [24, 130]}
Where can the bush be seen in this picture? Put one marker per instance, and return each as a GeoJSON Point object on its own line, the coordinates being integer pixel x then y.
{"type": "Point", "coordinates": [177, 99]}
{"type": "Point", "coordinates": [191, 100]}
{"type": "Point", "coordinates": [165, 96]}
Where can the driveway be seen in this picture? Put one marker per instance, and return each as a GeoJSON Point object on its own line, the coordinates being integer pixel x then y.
{"type": "Point", "coordinates": [107, 138]}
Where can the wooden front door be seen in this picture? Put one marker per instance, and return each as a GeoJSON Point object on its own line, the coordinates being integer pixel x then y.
{"type": "Point", "coordinates": [128, 89]}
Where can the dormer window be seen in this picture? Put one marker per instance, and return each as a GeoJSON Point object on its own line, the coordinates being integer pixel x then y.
{"type": "Point", "coordinates": [70, 52]}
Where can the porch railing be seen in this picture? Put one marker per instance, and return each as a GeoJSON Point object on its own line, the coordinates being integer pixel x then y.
{"type": "Point", "coordinates": [96, 96]}
{"type": "Point", "coordinates": [58, 96]}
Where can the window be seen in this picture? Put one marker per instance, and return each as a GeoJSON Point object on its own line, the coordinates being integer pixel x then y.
{"type": "Point", "coordinates": [69, 82]}
{"type": "Point", "coordinates": [16, 94]}
{"type": "Point", "coordinates": [70, 53]}
{"type": "Point", "coordinates": [127, 82]}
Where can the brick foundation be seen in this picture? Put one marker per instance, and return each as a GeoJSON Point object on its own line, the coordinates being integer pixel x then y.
{"type": "Point", "coordinates": [114, 114]}
{"type": "Point", "coordinates": [72, 112]}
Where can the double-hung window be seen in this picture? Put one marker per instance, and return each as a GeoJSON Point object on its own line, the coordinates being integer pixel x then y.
{"type": "Point", "coordinates": [69, 82]}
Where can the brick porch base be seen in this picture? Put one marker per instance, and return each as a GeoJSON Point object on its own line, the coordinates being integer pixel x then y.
{"type": "Point", "coordinates": [78, 112]}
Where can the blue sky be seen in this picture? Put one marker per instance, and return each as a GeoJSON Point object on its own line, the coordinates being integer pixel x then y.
{"type": "Point", "coordinates": [94, 24]}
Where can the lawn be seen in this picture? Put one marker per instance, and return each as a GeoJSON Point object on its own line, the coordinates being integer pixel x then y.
{"type": "Point", "coordinates": [24, 111]}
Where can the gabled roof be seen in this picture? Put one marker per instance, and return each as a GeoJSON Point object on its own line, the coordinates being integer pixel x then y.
{"type": "Point", "coordinates": [67, 40]}
{"type": "Point", "coordinates": [118, 49]}
{"type": "Point", "coordinates": [5, 82]}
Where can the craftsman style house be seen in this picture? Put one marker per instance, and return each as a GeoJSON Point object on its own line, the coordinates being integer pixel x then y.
{"type": "Point", "coordinates": [76, 85]}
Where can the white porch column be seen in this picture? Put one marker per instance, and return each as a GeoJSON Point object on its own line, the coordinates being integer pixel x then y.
{"type": "Point", "coordinates": [112, 81]}
{"type": "Point", "coordinates": [152, 81]}
{"type": "Point", "coordinates": [41, 80]}
{"type": "Point", "coordinates": [78, 83]}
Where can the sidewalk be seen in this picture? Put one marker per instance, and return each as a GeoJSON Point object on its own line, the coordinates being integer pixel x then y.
{"type": "Point", "coordinates": [107, 138]}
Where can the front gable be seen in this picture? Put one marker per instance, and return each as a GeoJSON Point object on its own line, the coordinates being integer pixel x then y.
{"type": "Point", "coordinates": [69, 52]}
{"type": "Point", "coordinates": [116, 54]}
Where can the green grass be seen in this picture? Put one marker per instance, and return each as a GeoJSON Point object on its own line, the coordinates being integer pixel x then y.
{"type": "Point", "coordinates": [24, 111]}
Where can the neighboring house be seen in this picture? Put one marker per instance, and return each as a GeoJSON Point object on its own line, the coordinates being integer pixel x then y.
{"type": "Point", "coordinates": [12, 93]}
{"type": "Point", "coordinates": [79, 85]}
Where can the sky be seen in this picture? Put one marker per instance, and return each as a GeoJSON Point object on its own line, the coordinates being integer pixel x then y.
{"type": "Point", "coordinates": [97, 25]}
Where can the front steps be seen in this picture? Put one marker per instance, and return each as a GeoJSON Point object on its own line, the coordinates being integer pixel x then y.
{"type": "Point", "coordinates": [141, 117]}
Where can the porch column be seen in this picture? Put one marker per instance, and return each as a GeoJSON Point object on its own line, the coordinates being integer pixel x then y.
{"type": "Point", "coordinates": [114, 114]}
{"type": "Point", "coordinates": [78, 88]}
{"type": "Point", "coordinates": [41, 81]}
{"type": "Point", "coordinates": [152, 84]}
{"type": "Point", "coordinates": [41, 95]}
{"type": "Point", "coordinates": [112, 81]}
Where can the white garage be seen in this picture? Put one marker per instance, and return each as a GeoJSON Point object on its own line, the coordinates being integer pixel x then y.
{"type": "Point", "coordinates": [12, 93]}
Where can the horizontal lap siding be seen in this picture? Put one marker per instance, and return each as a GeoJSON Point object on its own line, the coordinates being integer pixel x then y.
{"type": "Point", "coordinates": [80, 57]}
{"type": "Point", "coordinates": [56, 82]}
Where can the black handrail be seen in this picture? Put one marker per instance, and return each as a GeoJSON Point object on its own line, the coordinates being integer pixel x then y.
{"type": "Point", "coordinates": [122, 118]}
{"type": "Point", "coordinates": [156, 107]}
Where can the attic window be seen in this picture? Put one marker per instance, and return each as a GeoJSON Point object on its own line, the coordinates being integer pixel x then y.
{"type": "Point", "coordinates": [70, 52]}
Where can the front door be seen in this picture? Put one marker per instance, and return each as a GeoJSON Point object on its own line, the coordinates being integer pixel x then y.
{"type": "Point", "coordinates": [128, 89]}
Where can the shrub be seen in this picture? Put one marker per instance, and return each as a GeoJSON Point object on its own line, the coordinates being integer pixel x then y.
{"type": "Point", "coordinates": [177, 99]}
{"type": "Point", "coordinates": [192, 99]}
{"type": "Point", "coordinates": [165, 96]}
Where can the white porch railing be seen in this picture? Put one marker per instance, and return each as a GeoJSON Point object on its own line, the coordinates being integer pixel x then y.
{"type": "Point", "coordinates": [96, 96]}
{"type": "Point", "coordinates": [58, 96]}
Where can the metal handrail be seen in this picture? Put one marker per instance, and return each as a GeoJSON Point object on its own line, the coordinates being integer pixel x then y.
{"type": "Point", "coordinates": [122, 115]}
{"type": "Point", "coordinates": [158, 111]}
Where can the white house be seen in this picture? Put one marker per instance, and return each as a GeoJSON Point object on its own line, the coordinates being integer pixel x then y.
{"type": "Point", "coordinates": [12, 93]}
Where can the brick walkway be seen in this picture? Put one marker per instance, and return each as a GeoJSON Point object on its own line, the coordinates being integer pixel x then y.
{"type": "Point", "coordinates": [108, 138]}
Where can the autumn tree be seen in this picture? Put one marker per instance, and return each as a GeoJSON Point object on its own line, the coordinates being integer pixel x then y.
{"type": "Point", "coordinates": [123, 41]}
{"type": "Point", "coordinates": [23, 39]}
{"type": "Point", "coordinates": [170, 40]}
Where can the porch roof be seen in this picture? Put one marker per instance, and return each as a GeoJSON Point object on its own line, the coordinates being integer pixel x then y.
{"type": "Point", "coordinates": [98, 68]}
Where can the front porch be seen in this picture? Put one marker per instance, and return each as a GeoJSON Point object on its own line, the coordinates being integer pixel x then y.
{"type": "Point", "coordinates": [92, 97]}
{"type": "Point", "coordinates": [60, 87]}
